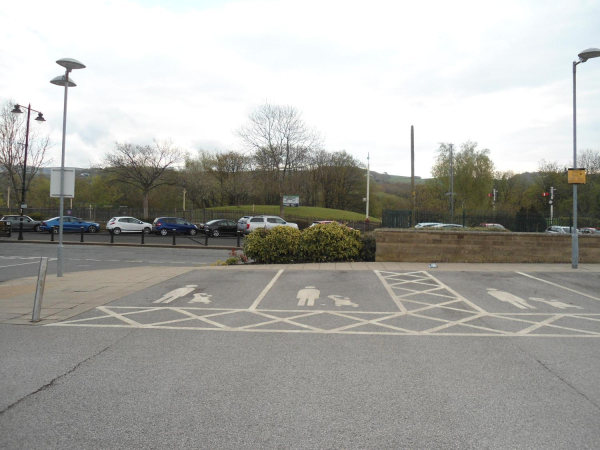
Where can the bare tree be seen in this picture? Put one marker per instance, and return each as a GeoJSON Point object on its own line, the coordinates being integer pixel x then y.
{"type": "Point", "coordinates": [143, 166]}
{"type": "Point", "coordinates": [280, 141]}
{"type": "Point", "coordinates": [12, 148]}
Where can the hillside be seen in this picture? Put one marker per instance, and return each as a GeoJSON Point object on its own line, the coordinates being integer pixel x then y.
{"type": "Point", "coordinates": [381, 178]}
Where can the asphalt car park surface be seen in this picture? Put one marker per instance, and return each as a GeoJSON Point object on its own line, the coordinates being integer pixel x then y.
{"type": "Point", "coordinates": [286, 358]}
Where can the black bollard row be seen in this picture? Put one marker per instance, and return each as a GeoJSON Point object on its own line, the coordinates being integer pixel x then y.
{"type": "Point", "coordinates": [143, 237]}
{"type": "Point", "coordinates": [112, 236]}
{"type": "Point", "coordinates": [81, 240]}
{"type": "Point", "coordinates": [174, 233]}
{"type": "Point", "coordinates": [52, 235]}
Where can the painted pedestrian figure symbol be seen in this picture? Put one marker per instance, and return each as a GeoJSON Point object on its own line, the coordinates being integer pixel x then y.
{"type": "Point", "coordinates": [201, 297]}
{"type": "Point", "coordinates": [307, 296]}
{"type": "Point", "coordinates": [176, 293]}
{"type": "Point", "coordinates": [510, 298]}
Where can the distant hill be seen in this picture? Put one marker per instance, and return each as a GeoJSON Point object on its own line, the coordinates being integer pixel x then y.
{"type": "Point", "coordinates": [386, 178]}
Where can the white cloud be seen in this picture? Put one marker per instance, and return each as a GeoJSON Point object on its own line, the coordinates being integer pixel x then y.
{"type": "Point", "coordinates": [361, 73]}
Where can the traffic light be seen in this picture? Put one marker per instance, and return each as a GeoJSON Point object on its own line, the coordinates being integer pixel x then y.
{"type": "Point", "coordinates": [545, 194]}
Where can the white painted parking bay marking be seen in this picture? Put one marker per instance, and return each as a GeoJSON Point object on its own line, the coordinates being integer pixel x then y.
{"type": "Point", "coordinates": [559, 286]}
{"type": "Point", "coordinates": [265, 290]}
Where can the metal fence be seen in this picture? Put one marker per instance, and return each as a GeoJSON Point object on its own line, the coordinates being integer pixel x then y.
{"type": "Point", "coordinates": [527, 221]}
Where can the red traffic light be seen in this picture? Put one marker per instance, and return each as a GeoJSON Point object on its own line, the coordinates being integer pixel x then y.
{"type": "Point", "coordinates": [489, 195]}
{"type": "Point", "coordinates": [545, 194]}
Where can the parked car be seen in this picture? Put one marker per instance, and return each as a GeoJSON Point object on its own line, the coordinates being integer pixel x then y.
{"type": "Point", "coordinates": [127, 224]}
{"type": "Point", "coordinates": [70, 225]}
{"type": "Point", "coordinates": [427, 224]}
{"type": "Point", "coordinates": [218, 227]}
{"type": "Point", "coordinates": [560, 230]}
{"type": "Point", "coordinates": [241, 224]}
{"type": "Point", "coordinates": [589, 230]}
{"type": "Point", "coordinates": [268, 222]}
{"type": "Point", "coordinates": [492, 225]}
{"type": "Point", "coordinates": [166, 225]}
{"type": "Point", "coordinates": [28, 222]}
{"type": "Point", "coordinates": [447, 225]}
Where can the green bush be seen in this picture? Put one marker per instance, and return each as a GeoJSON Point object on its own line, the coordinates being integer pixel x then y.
{"type": "Point", "coordinates": [36, 216]}
{"type": "Point", "coordinates": [277, 246]}
{"type": "Point", "coordinates": [369, 246]}
{"type": "Point", "coordinates": [330, 242]}
{"type": "Point", "coordinates": [321, 243]}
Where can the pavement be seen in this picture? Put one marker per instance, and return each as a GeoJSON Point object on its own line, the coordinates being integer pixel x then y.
{"type": "Point", "coordinates": [79, 292]}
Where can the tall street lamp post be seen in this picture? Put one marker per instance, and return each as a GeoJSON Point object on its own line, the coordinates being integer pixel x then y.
{"type": "Point", "coordinates": [583, 57]}
{"type": "Point", "coordinates": [39, 119]}
{"type": "Point", "coordinates": [63, 80]}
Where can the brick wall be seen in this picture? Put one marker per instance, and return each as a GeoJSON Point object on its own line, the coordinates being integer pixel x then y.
{"type": "Point", "coordinates": [481, 246]}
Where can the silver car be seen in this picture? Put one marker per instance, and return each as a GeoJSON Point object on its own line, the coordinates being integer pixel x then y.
{"type": "Point", "coordinates": [28, 222]}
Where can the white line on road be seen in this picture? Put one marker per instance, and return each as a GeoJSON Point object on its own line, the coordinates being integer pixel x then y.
{"type": "Point", "coordinates": [23, 264]}
{"type": "Point", "coordinates": [390, 291]}
{"type": "Point", "coordinates": [470, 303]}
{"type": "Point", "coordinates": [558, 285]}
{"type": "Point", "coordinates": [265, 290]}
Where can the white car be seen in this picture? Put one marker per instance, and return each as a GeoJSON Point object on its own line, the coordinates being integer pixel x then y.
{"type": "Point", "coordinates": [427, 224]}
{"type": "Point", "coordinates": [120, 225]}
{"type": "Point", "coordinates": [268, 222]}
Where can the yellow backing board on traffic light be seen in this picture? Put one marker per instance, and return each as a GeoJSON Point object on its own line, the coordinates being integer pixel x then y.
{"type": "Point", "coordinates": [576, 176]}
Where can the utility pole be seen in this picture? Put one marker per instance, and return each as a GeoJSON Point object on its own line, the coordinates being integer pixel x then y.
{"type": "Point", "coordinates": [552, 204]}
{"type": "Point", "coordinates": [494, 192]}
{"type": "Point", "coordinates": [183, 199]}
{"type": "Point", "coordinates": [8, 199]}
{"type": "Point", "coordinates": [368, 179]}
{"type": "Point", "coordinates": [451, 183]}
{"type": "Point", "coordinates": [412, 173]}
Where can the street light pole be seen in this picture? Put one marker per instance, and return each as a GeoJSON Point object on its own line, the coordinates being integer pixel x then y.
{"type": "Point", "coordinates": [583, 57]}
{"type": "Point", "coordinates": [39, 119]}
{"type": "Point", "coordinates": [63, 80]}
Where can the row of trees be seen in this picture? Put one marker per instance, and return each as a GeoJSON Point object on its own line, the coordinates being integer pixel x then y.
{"type": "Point", "coordinates": [283, 156]}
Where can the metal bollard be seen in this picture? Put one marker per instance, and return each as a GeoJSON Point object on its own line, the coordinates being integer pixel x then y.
{"type": "Point", "coordinates": [174, 233]}
{"type": "Point", "coordinates": [52, 235]}
{"type": "Point", "coordinates": [205, 238]}
{"type": "Point", "coordinates": [143, 237]}
{"type": "Point", "coordinates": [238, 238]}
{"type": "Point", "coordinates": [39, 290]}
{"type": "Point", "coordinates": [112, 237]}
{"type": "Point", "coordinates": [81, 240]}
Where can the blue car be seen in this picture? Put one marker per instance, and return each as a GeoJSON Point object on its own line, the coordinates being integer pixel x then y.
{"type": "Point", "coordinates": [166, 225]}
{"type": "Point", "coordinates": [70, 225]}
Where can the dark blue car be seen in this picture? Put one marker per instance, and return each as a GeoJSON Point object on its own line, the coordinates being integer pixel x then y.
{"type": "Point", "coordinates": [70, 225]}
{"type": "Point", "coordinates": [166, 225]}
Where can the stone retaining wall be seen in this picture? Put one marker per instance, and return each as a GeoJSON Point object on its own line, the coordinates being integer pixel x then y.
{"type": "Point", "coordinates": [480, 246]}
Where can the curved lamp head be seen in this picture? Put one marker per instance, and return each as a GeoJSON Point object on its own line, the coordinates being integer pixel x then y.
{"type": "Point", "coordinates": [62, 81]}
{"type": "Point", "coordinates": [16, 110]}
{"type": "Point", "coordinates": [589, 54]}
{"type": "Point", "coordinates": [40, 118]}
{"type": "Point", "coordinates": [70, 63]}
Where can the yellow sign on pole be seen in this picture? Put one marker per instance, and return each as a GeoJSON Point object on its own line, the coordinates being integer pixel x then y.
{"type": "Point", "coordinates": [576, 176]}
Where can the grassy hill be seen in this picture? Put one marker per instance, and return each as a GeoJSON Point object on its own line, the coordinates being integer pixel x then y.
{"type": "Point", "coordinates": [300, 212]}
{"type": "Point", "coordinates": [385, 178]}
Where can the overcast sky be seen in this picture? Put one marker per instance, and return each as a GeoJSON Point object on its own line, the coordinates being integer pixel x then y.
{"type": "Point", "coordinates": [497, 73]}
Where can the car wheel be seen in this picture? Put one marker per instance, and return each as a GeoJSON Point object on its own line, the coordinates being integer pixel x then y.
{"type": "Point", "coordinates": [146, 230]}
{"type": "Point", "coordinates": [193, 232]}
{"type": "Point", "coordinates": [92, 229]}
{"type": "Point", "coordinates": [163, 232]}
{"type": "Point", "coordinates": [116, 231]}
{"type": "Point", "coordinates": [37, 228]}
{"type": "Point", "coordinates": [215, 233]}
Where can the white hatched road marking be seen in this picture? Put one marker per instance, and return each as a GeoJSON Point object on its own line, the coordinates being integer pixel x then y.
{"type": "Point", "coordinates": [406, 291]}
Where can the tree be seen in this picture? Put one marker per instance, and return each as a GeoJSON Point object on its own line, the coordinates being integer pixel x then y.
{"type": "Point", "coordinates": [473, 174]}
{"type": "Point", "coordinates": [12, 149]}
{"type": "Point", "coordinates": [280, 141]}
{"type": "Point", "coordinates": [144, 167]}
